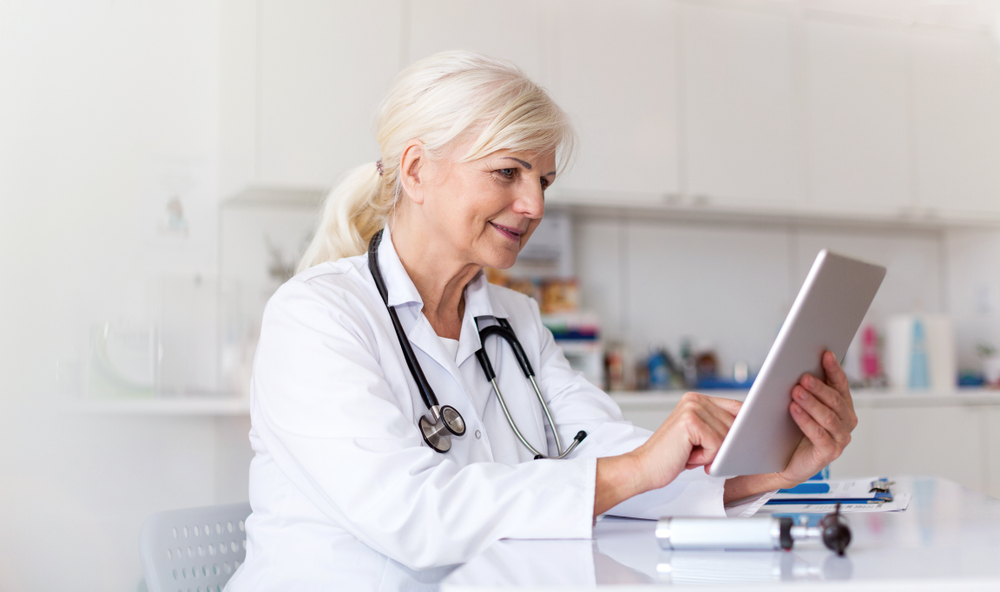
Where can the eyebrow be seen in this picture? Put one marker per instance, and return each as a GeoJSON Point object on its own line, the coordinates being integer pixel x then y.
{"type": "Point", "coordinates": [527, 165]}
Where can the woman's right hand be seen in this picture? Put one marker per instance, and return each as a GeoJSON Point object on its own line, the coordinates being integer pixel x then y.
{"type": "Point", "coordinates": [690, 437]}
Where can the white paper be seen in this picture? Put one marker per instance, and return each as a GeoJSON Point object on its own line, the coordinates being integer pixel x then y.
{"type": "Point", "coordinates": [898, 504]}
{"type": "Point", "coordinates": [852, 488]}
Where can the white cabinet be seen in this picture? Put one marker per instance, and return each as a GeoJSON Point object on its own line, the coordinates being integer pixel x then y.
{"type": "Point", "coordinates": [739, 106]}
{"type": "Point", "coordinates": [512, 30]}
{"type": "Point", "coordinates": [940, 441]}
{"type": "Point", "coordinates": [615, 74]}
{"type": "Point", "coordinates": [857, 460]}
{"type": "Point", "coordinates": [322, 66]}
{"type": "Point", "coordinates": [956, 91]}
{"type": "Point", "coordinates": [856, 118]}
{"type": "Point", "coordinates": [955, 435]}
{"type": "Point", "coordinates": [992, 436]}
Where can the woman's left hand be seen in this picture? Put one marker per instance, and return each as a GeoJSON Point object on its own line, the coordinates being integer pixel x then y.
{"type": "Point", "coordinates": [824, 411]}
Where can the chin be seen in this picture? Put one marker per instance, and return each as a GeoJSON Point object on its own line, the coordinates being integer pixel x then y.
{"type": "Point", "coordinates": [501, 260]}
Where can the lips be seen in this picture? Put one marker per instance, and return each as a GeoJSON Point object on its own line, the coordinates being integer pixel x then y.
{"type": "Point", "coordinates": [509, 232]}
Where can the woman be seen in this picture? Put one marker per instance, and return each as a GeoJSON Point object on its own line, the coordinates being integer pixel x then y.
{"type": "Point", "coordinates": [343, 486]}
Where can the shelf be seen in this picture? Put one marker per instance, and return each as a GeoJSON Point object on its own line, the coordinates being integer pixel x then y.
{"type": "Point", "coordinates": [675, 208]}
{"type": "Point", "coordinates": [703, 211]}
{"type": "Point", "coordinates": [191, 406]}
{"type": "Point", "coordinates": [863, 398]}
{"type": "Point", "coordinates": [280, 197]}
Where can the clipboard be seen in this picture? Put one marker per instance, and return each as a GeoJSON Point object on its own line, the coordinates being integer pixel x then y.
{"type": "Point", "coordinates": [855, 491]}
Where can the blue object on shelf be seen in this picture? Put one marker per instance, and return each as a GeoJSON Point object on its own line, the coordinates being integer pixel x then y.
{"type": "Point", "coordinates": [970, 379]}
{"type": "Point", "coordinates": [707, 384]}
{"type": "Point", "coordinates": [659, 371]}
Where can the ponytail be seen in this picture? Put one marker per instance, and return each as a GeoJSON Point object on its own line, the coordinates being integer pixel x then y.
{"type": "Point", "coordinates": [354, 210]}
{"type": "Point", "coordinates": [438, 100]}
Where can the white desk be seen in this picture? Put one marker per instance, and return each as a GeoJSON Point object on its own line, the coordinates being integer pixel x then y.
{"type": "Point", "coordinates": [949, 538]}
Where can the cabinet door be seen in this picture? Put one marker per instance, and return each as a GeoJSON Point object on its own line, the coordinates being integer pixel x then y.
{"type": "Point", "coordinates": [323, 67]}
{"type": "Point", "coordinates": [739, 106]}
{"type": "Point", "coordinates": [647, 415]}
{"type": "Point", "coordinates": [511, 30]}
{"type": "Point", "coordinates": [856, 118]}
{"type": "Point", "coordinates": [937, 441]}
{"type": "Point", "coordinates": [993, 452]}
{"type": "Point", "coordinates": [957, 122]}
{"type": "Point", "coordinates": [857, 460]}
{"type": "Point", "coordinates": [615, 74]}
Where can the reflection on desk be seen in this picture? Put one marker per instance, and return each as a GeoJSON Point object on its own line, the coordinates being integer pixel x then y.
{"type": "Point", "coordinates": [949, 536]}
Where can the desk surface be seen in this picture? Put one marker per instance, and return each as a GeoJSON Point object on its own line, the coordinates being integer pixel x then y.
{"type": "Point", "coordinates": [949, 535]}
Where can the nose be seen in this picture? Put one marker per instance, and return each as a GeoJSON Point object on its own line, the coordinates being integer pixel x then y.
{"type": "Point", "coordinates": [530, 201]}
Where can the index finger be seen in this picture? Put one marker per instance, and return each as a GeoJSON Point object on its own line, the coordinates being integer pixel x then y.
{"type": "Point", "coordinates": [731, 405]}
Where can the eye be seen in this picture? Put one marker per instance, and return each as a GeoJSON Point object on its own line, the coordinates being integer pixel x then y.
{"type": "Point", "coordinates": [507, 173]}
{"type": "Point", "coordinates": [545, 183]}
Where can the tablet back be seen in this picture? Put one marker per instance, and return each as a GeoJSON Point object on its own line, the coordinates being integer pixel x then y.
{"type": "Point", "coordinates": [825, 316]}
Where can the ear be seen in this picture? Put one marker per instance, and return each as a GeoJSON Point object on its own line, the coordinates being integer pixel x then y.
{"type": "Point", "coordinates": [411, 169]}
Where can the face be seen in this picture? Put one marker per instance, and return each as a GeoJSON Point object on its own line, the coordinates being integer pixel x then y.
{"type": "Point", "coordinates": [486, 209]}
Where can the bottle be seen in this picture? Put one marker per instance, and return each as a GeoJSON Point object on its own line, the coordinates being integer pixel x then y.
{"type": "Point", "coordinates": [659, 371]}
{"type": "Point", "coordinates": [919, 375]}
{"type": "Point", "coordinates": [689, 365]}
{"type": "Point", "coordinates": [871, 362]}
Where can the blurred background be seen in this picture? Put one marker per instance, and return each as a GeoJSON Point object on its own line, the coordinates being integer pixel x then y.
{"type": "Point", "coordinates": [161, 165]}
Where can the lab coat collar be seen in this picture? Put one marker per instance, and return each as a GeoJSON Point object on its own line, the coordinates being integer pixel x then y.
{"type": "Point", "coordinates": [478, 300]}
{"type": "Point", "coordinates": [398, 283]}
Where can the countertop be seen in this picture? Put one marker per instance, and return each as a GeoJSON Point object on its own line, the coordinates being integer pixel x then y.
{"type": "Point", "coordinates": [948, 538]}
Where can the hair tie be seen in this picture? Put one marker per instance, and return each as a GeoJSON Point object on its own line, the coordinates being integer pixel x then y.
{"type": "Point", "coordinates": [378, 165]}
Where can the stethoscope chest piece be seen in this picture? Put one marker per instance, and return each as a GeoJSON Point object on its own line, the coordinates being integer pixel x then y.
{"type": "Point", "coordinates": [444, 421]}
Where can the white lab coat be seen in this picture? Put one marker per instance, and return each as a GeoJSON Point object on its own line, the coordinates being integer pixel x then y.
{"type": "Point", "coordinates": [345, 493]}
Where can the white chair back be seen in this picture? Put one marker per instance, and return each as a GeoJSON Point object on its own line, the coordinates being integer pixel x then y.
{"type": "Point", "coordinates": [194, 549]}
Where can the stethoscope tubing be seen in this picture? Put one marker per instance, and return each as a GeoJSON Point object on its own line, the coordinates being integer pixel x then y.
{"type": "Point", "coordinates": [426, 392]}
{"type": "Point", "coordinates": [504, 331]}
{"type": "Point", "coordinates": [447, 419]}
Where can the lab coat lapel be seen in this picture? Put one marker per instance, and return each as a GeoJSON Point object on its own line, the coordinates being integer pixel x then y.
{"type": "Point", "coordinates": [478, 303]}
{"type": "Point", "coordinates": [403, 294]}
{"type": "Point", "coordinates": [481, 302]}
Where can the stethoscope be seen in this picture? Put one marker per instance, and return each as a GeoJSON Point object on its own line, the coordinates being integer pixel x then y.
{"type": "Point", "coordinates": [444, 420]}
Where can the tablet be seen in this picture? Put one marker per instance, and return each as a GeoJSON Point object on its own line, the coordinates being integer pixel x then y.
{"type": "Point", "coordinates": [825, 316]}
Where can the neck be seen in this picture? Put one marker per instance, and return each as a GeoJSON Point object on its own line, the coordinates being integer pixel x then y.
{"type": "Point", "coordinates": [439, 275]}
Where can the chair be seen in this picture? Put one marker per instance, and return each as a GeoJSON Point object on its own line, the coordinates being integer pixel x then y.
{"type": "Point", "coordinates": [194, 549]}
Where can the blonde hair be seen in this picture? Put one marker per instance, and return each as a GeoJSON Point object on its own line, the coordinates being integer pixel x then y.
{"type": "Point", "coordinates": [440, 100]}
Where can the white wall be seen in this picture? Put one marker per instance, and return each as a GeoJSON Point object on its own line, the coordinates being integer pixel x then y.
{"type": "Point", "coordinates": [99, 101]}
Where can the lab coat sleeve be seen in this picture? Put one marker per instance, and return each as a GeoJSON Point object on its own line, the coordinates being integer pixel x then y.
{"type": "Point", "coordinates": [326, 414]}
{"type": "Point", "coordinates": [577, 404]}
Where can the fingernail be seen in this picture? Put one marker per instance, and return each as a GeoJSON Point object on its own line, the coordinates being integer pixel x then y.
{"type": "Point", "coordinates": [797, 394]}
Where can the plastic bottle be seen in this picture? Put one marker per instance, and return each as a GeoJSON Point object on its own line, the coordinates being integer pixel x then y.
{"type": "Point", "coordinates": [919, 375]}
